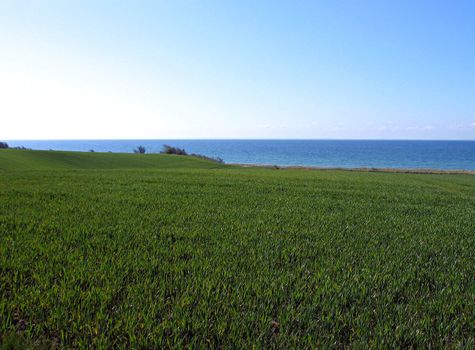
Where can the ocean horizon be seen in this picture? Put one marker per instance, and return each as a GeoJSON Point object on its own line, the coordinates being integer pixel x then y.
{"type": "Point", "coordinates": [397, 154]}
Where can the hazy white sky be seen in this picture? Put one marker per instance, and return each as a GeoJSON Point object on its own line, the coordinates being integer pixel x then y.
{"type": "Point", "coordinates": [244, 69]}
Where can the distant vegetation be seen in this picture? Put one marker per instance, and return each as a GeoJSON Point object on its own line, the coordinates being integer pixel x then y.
{"type": "Point", "coordinates": [173, 150]}
{"type": "Point", "coordinates": [140, 150]}
{"type": "Point", "coordinates": [4, 145]}
{"type": "Point", "coordinates": [181, 152]}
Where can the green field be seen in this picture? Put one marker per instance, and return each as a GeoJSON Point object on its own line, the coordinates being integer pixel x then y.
{"type": "Point", "coordinates": [110, 250]}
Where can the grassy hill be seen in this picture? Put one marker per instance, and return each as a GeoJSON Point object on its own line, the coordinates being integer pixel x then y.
{"type": "Point", "coordinates": [12, 159]}
{"type": "Point", "coordinates": [154, 251]}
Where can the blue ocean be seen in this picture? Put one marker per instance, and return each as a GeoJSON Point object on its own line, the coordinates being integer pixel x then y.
{"type": "Point", "coordinates": [448, 155]}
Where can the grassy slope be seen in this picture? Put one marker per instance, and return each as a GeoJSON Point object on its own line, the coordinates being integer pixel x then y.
{"type": "Point", "coordinates": [232, 257]}
{"type": "Point", "coordinates": [42, 160]}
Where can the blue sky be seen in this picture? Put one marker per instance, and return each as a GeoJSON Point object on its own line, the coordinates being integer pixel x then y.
{"type": "Point", "coordinates": [237, 69]}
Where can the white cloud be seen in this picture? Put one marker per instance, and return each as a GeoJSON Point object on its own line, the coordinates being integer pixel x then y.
{"type": "Point", "coordinates": [420, 128]}
{"type": "Point", "coordinates": [472, 125]}
{"type": "Point", "coordinates": [265, 126]}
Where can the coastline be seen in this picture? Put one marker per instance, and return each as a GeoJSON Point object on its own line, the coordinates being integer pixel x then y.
{"type": "Point", "coordinates": [399, 156]}
{"type": "Point", "coordinates": [362, 169]}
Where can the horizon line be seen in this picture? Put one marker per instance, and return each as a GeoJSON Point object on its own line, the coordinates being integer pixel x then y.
{"type": "Point", "coordinates": [235, 139]}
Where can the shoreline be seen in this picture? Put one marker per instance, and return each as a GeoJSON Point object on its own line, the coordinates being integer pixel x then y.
{"type": "Point", "coordinates": [361, 169]}
{"type": "Point", "coordinates": [295, 167]}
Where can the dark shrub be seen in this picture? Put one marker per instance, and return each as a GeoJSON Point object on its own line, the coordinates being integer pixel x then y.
{"type": "Point", "coordinates": [173, 150]}
{"type": "Point", "coordinates": [91, 150]}
{"type": "Point", "coordinates": [140, 149]}
{"type": "Point", "coordinates": [3, 145]}
{"type": "Point", "coordinates": [181, 152]}
{"type": "Point", "coordinates": [211, 159]}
